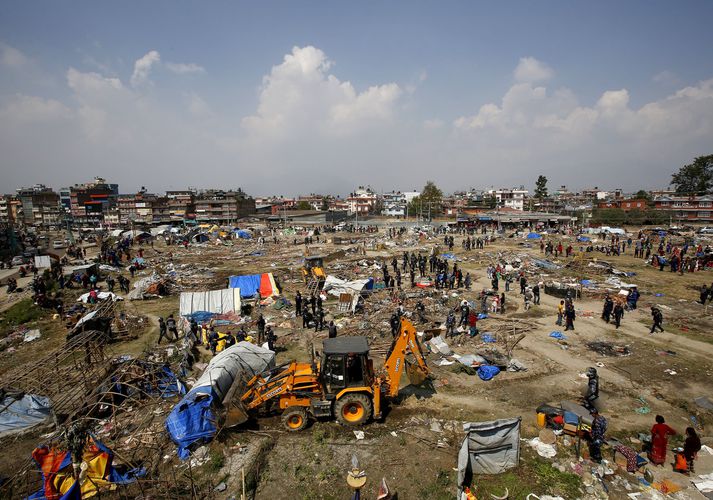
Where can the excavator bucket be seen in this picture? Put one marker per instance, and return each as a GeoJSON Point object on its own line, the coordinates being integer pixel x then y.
{"type": "Point", "coordinates": [235, 415]}
{"type": "Point", "coordinates": [415, 374]}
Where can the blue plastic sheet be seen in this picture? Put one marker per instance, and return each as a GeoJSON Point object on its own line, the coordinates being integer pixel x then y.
{"type": "Point", "coordinates": [23, 412]}
{"type": "Point", "coordinates": [201, 316]}
{"type": "Point", "coordinates": [247, 284]}
{"type": "Point", "coordinates": [487, 372]}
{"type": "Point", "coordinates": [486, 337]}
{"type": "Point", "coordinates": [558, 335]}
{"type": "Point", "coordinates": [192, 420]}
{"type": "Point", "coordinates": [480, 315]}
{"type": "Point", "coordinates": [533, 236]}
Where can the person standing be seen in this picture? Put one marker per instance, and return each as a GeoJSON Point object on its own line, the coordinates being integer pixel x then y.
{"type": "Point", "coordinates": [704, 294]}
{"type": "Point", "coordinates": [162, 330]}
{"type": "Point", "coordinates": [523, 284]}
{"type": "Point", "coordinates": [659, 441]}
{"type": "Point", "coordinates": [536, 294]}
{"type": "Point", "coordinates": [691, 447]}
{"type": "Point", "coordinates": [560, 313]}
{"type": "Point", "coordinates": [569, 315]}
{"type": "Point", "coordinates": [592, 393]}
{"type": "Point", "coordinates": [171, 325]}
{"type": "Point", "coordinates": [298, 304]}
{"type": "Point", "coordinates": [599, 428]}
{"type": "Point", "coordinates": [261, 330]}
{"type": "Point", "coordinates": [332, 330]}
{"type": "Point", "coordinates": [271, 338]}
{"type": "Point", "coordinates": [657, 316]}
{"type": "Point", "coordinates": [608, 307]}
{"type": "Point", "coordinates": [618, 314]}
{"type": "Point", "coordinates": [451, 325]}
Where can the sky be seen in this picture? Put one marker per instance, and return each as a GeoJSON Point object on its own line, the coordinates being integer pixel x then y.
{"type": "Point", "coordinates": [291, 98]}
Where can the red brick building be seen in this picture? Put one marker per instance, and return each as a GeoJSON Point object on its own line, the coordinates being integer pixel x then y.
{"type": "Point", "coordinates": [689, 208]}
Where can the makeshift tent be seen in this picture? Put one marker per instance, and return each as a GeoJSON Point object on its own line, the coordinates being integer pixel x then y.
{"type": "Point", "coordinates": [488, 448]}
{"type": "Point", "coordinates": [613, 230]}
{"type": "Point", "coordinates": [584, 239]}
{"type": "Point", "coordinates": [42, 261]}
{"type": "Point", "coordinates": [242, 233]}
{"type": "Point", "coordinates": [116, 233]}
{"type": "Point", "coordinates": [200, 238]}
{"type": "Point", "coordinates": [98, 473]}
{"type": "Point", "coordinates": [250, 282]}
{"type": "Point", "coordinates": [213, 301]}
{"type": "Point", "coordinates": [533, 236]}
{"type": "Point", "coordinates": [136, 234]}
{"type": "Point", "coordinates": [337, 287]}
{"type": "Point", "coordinates": [193, 419]}
{"type": "Point", "coordinates": [19, 412]}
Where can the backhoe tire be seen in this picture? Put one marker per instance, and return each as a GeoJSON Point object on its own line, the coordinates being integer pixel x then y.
{"type": "Point", "coordinates": [294, 419]}
{"type": "Point", "coordinates": [353, 409]}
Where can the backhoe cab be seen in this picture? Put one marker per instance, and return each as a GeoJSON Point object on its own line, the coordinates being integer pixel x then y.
{"type": "Point", "coordinates": [341, 384]}
{"type": "Point", "coordinates": [313, 270]}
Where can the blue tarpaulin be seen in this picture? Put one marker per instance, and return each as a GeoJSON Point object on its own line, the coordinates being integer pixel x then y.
{"type": "Point", "coordinates": [558, 335]}
{"type": "Point", "coordinates": [488, 338]}
{"type": "Point", "coordinates": [19, 412]}
{"type": "Point", "coordinates": [487, 372]}
{"type": "Point", "coordinates": [242, 233]}
{"type": "Point", "coordinates": [247, 284]}
{"type": "Point", "coordinates": [584, 238]}
{"type": "Point", "coordinates": [192, 420]}
{"type": "Point", "coordinates": [481, 315]}
{"type": "Point", "coordinates": [533, 236]}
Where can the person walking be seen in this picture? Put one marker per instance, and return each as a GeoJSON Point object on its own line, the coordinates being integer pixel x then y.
{"type": "Point", "coordinates": [569, 315]}
{"type": "Point", "coordinates": [162, 330]}
{"type": "Point", "coordinates": [298, 304]}
{"type": "Point", "coordinates": [172, 328]}
{"type": "Point", "coordinates": [659, 441]}
{"type": "Point", "coordinates": [657, 316]}
{"type": "Point", "coordinates": [536, 294]}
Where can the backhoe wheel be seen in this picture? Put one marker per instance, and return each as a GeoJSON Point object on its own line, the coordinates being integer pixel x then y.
{"type": "Point", "coordinates": [353, 409]}
{"type": "Point", "coordinates": [294, 419]}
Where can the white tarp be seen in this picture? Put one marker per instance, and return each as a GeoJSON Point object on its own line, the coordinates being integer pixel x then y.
{"type": "Point", "coordinates": [21, 412]}
{"type": "Point", "coordinates": [101, 296]}
{"type": "Point", "coordinates": [42, 261]}
{"type": "Point", "coordinates": [240, 360]}
{"type": "Point", "coordinates": [215, 301]}
{"type": "Point", "coordinates": [335, 286]}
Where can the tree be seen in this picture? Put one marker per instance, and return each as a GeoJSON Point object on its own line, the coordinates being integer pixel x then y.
{"type": "Point", "coordinates": [304, 205]}
{"type": "Point", "coordinates": [430, 197]}
{"type": "Point", "coordinates": [696, 178]}
{"type": "Point", "coordinates": [541, 188]}
{"type": "Point", "coordinates": [325, 203]}
{"type": "Point", "coordinates": [643, 194]}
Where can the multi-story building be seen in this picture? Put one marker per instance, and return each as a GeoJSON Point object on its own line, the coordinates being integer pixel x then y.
{"type": "Point", "coordinates": [10, 209]}
{"type": "Point", "coordinates": [362, 201]}
{"type": "Point", "coordinates": [40, 206]}
{"type": "Point", "coordinates": [626, 205]}
{"type": "Point", "coordinates": [687, 208]}
{"type": "Point", "coordinates": [136, 207]}
{"type": "Point", "coordinates": [223, 206]}
{"type": "Point", "coordinates": [315, 201]}
{"type": "Point", "coordinates": [181, 205]}
{"type": "Point", "coordinates": [65, 199]}
{"type": "Point", "coordinates": [511, 198]}
{"type": "Point", "coordinates": [89, 201]}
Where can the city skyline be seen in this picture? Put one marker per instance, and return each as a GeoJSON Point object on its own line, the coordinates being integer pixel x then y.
{"type": "Point", "coordinates": [292, 99]}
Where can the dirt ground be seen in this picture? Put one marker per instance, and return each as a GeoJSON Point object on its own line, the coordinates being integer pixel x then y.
{"type": "Point", "coordinates": [415, 447]}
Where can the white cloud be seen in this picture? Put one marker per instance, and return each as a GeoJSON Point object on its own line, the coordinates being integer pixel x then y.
{"type": "Point", "coordinates": [142, 67]}
{"type": "Point", "coordinates": [299, 95]}
{"type": "Point", "coordinates": [184, 68]}
{"type": "Point", "coordinates": [12, 57]}
{"type": "Point", "coordinates": [531, 70]}
{"type": "Point", "coordinates": [32, 109]}
{"type": "Point", "coordinates": [666, 77]}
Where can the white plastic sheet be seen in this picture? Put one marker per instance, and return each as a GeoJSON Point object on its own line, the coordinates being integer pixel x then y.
{"type": "Point", "coordinates": [214, 301]}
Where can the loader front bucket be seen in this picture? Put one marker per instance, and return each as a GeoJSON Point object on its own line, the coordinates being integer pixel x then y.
{"type": "Point", "coordinates": [235, 415]}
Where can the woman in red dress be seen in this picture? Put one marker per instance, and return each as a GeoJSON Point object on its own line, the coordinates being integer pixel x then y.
{"type": "Point", "coordinates": [659, 441]}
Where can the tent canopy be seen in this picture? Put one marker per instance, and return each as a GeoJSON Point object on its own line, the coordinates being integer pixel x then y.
{"type": "Point", "coordinates": [250, 283]}
{"type": "Point", "coordinates": [213, 301]}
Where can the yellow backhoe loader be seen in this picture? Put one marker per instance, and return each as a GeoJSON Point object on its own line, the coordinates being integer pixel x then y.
{"type": "Point", "coordinates": [342, 384]}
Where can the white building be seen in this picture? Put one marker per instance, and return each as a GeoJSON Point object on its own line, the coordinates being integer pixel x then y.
{"type": "Point", "coordinates": [512, 198]}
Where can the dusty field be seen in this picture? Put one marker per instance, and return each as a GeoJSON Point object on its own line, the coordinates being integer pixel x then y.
{"type": "Point", "coordinates": [416, 460]}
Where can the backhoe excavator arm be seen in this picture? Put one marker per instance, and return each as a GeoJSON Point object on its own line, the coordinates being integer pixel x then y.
{"type": "Point", "coordinates": [395, 364]}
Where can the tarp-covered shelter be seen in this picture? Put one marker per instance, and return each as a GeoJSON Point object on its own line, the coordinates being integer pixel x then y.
{"type": "Point", "coordinates": [488, 448]}
{"type": "Point", "coordinates": [336, 286]}
{"type": "Point", "coordinates": [193, 419]}
{"type": "Point", "coordinates": [213, 301]}
{"type": "Point", "coordinates": [100, 296]}
{"type": "Point", "coordinates": [42, 261]}
{"type": "Point", "coordinates": [243, 233]}
{"type": "Point", "coordinates": [19, 412]}
{"type": "Point", "coordinates": [249, 283]}
{"type": "Point", "coordinates": [533, 236]}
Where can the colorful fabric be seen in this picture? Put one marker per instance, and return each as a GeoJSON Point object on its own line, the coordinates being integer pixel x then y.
{"type": "Point", "coordinates": [632, 458]}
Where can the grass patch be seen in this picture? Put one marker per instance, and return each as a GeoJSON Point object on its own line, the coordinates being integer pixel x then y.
{"type": "Point", "coordinates": [23, 312]}
{"type": "Point", "coordinates": [442, 487]}
{"type": "Point", "coordinates": [565, 484]}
